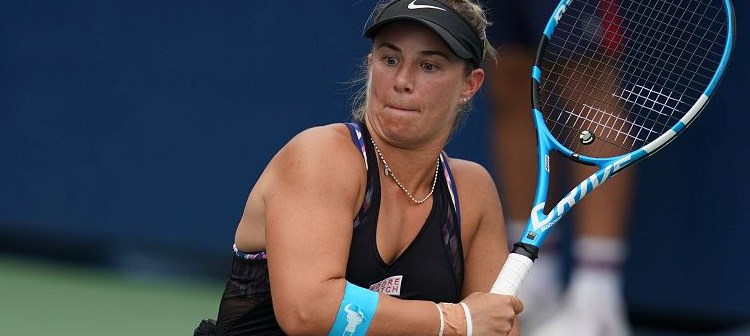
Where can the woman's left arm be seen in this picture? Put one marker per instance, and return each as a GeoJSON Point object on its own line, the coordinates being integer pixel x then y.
{"type": "Point", "coordinates": [483, 233]}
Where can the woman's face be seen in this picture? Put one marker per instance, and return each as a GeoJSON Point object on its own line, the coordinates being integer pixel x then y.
{"type": "Point", "coordinates": [416, 84]}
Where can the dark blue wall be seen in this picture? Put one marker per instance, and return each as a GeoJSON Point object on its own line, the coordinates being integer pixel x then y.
{"type": "Point", "coordinates": [142, 120]}
{"type": "Point", "coordinates": [146, 123]}
{"type": "Point", "coordinates": [692, 222]}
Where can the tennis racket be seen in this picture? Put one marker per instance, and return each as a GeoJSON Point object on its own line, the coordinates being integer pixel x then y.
{"type": "Point", "coordinates": [613, 82]}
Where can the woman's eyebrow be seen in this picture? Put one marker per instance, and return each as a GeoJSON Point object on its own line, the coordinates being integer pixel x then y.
{"type": "Point", "coordinates": [424, 52]}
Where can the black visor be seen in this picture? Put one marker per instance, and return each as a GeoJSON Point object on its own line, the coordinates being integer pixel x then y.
{"type": "Point", "coordinates": [440, 18]}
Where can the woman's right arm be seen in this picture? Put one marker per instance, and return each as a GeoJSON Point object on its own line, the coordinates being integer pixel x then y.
{"type": "Point", "coordinates": [308, 194]}
{"type": "Point", "coordinates": [312, 191]}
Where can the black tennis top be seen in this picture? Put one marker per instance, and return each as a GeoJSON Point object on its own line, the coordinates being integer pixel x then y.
{"type": "Point", "coordinates": [431, 267]}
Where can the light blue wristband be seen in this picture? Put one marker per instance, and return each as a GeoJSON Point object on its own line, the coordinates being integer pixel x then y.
{"type": "Point", "coordinates": [355, 312]}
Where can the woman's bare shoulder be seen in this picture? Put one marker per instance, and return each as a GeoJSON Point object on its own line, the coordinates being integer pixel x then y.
{"type": "Point", "coordinates": [477, 191]}
{"type": "Point", "coordinates": [321, 140]}
{"type": "Point", "coordinates": [320, 157]}
{"type": "Point", "coordinates": [469, 173]}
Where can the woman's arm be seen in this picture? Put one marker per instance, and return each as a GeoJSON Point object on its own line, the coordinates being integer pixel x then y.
{"type": "Point", "coordinates": [483, 236]}
{"type": "Point", "coordinates": [309, 197]}
{"type": "Point", "coordinates": [313, 190]}
{"type": "Point", "coordinates": [483, 227]}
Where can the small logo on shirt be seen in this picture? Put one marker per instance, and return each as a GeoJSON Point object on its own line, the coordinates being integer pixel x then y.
{"type": "Point", "coordinates": [390, 286]}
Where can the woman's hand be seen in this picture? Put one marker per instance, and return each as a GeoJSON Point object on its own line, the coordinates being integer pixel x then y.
{"type": "Point", "coordinates": [493, 314]}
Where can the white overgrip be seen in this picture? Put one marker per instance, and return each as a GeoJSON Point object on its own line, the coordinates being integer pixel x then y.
{"type": "Point", "coordinates": [512, 275]}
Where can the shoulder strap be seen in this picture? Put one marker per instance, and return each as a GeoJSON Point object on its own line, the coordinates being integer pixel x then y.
{"type": "Point", "coordinates": [451, 184]}
{"type": "Point", "coordinates": [451, 229]}
{"type": "Point", "coordinates": [355, 130]}
{"type": "Point", "coordinates": [358, 138]}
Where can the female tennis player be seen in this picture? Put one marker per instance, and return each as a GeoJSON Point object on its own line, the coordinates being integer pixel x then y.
{"type": "Point", "coordinates": [356, 228]}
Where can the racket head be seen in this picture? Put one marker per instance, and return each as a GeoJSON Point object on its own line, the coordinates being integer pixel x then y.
{"type": "Point", "coordinates": [616, 80]}
{"type": "Point", "coordinates": [627, 71]}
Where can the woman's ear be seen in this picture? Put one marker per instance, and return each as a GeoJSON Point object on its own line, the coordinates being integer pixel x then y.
{"type": "Point", "coordinates": [473, 82]}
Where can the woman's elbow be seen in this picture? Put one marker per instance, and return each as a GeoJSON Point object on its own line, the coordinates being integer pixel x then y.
{"type": "Point", "coordinates": [302, 318]}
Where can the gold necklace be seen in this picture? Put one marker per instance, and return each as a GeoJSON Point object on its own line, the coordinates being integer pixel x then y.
{"type": "Point", "coordinates": [388, 172]}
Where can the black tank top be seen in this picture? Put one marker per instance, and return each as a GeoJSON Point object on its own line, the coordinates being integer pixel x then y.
{"type": "Point", "coordinates": [431, 267]}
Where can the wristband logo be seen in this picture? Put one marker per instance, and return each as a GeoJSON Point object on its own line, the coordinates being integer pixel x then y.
{"type": "Point", "coordinates": [354, 317]}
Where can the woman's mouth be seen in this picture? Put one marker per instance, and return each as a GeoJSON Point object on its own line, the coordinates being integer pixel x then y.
{"type": "Point", "coordinates": [402, 110]}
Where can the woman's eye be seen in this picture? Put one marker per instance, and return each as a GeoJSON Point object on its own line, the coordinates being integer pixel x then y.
{"type": "Point", "coordinates": [389, 60]}
{"type": "Point", "coordinates": [429, 67]}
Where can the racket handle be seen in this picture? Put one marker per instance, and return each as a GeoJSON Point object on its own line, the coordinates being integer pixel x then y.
{"type": "Point", "coordinates": [511, 277]}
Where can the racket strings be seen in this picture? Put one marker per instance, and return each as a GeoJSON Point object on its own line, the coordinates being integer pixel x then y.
{"type": "Point", "coordinates": [687, 55]}
{"type": "Point", "coordinates": [627, 71]}
{"type": "Point", "coordinates": [636, 93]}
{"type": "Point", "coordinates": [631, 92]}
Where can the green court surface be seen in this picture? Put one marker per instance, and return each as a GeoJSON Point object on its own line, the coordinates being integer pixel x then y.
{"type": "Point", "coordinates": [41, 298]}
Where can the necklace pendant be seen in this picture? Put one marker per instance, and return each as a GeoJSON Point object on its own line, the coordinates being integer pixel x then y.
{"type": "Point", "coordinates": [387, 171]}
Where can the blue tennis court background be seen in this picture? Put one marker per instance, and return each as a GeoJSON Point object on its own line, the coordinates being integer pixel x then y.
{"type": "Point", "coordinates": [132, 131]}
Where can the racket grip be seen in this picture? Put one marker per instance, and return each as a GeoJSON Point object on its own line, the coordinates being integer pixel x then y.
{"type": "Point", "coordinates": [511, 277]}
